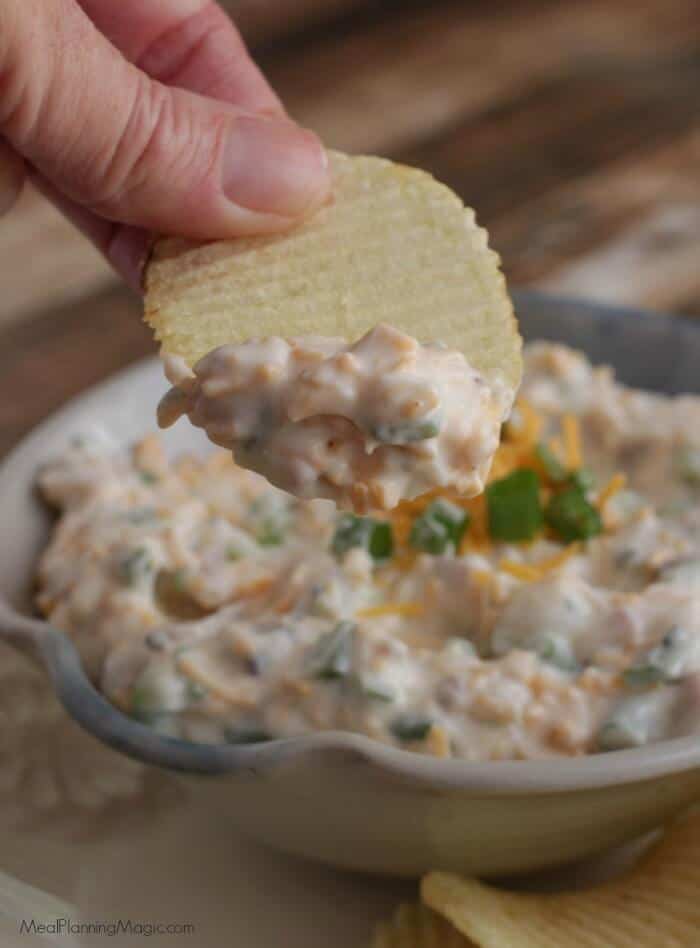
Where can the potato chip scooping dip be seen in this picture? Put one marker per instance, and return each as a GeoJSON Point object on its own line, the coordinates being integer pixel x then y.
{"type": "Point", "coordinates": [369, 356]}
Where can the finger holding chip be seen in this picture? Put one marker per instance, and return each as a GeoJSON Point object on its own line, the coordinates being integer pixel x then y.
{"type": "Point", "coordinates": [367, 356]}
{"type": "Point", "coordinates": [393, 246]}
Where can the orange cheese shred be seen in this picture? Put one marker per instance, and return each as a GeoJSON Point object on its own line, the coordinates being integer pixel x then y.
{"type": "Point", "coordinates": [533, 572]}
{"type": "Point", "coordinates": [529, 574]}
{"type": "Point", "coordinates": [616, 483]}
{"type": "Point", "coordinates": [406, 609]}
{"type": "Point", "coordinates": [532, 424]}
{"type": "Point", "coordinates": [517, 450]}
{"type": "Point", "coordinates": [572, 442]}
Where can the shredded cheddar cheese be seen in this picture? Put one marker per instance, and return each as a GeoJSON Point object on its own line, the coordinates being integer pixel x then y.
{"type": "Point", "coordinates": [519, 449]}
{"type": "Point", "coordinates": [256, 588]}
{"type": "Point", "coordinates": [616, 483]}
{"type": "Point", "coordinates": [533, 572]}
{"type": "Point", "coordinates": [484, 579]}
{"type": "Point", "coordinates": [406, 609]}
{"type": "Point", "coordinates": [438, 742]}
{"type": "Point", "coordinates": [572, 442]}
{"type": "Point", "coordinates": [532, 422]}
{"type": "Point", "coordinates": [556, 446]}
{"type": "Point", "coordinates": [558, 559]}
{"type": "Point", "coordinates": [529, 574]}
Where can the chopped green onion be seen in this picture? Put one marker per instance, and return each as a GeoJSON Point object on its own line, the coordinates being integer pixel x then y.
{"type": "Point", "coordinates": [441, 525]}
{"type": "Point", "coordinates": [270, 533]}
{"type": "Point", "coordinates": [407, 432]}
{"type": "Point", "coordinates": [375, 536]}
{"type": "Point", "coordinates": [233, 553]}
{"type": "Point", "coordinates": [514, 509]}
{"type": "Point", "coordinates": [619, 733]}
{"type": "Point", "coordinates": [381, 543]}
{"type": "Point", "coordinates": [151, 699]}
{"type": "Point", "coordinates": [331, 656]}
{"type": "Point", "coordinates": [270, 518]}
{"type": "Point", "coordinates": [643, 676]}
{"type": "Point", "coordinates": [556, 650]}
{"type": "Point", "coordinates": [148, 477]}
{"type": "Point", "coordinates": [553, 467]}
{"type": "Point", "coordinates": [571, 516]}
{"type": "Point", "coordinates": [141, 705]}
{"type": "Point", "coordinates": [663, 663]}
{"type": "Point", "coordinates": [245, 734]}
{"type": "Point", "coordinates": [411, 727]}
{"type": "Point", "coordinates": [429, 536]}
{"type": "Point", "coordinates": [583, 479]}
{"type": "Point", "coordinates": [135, 566]}
{"type": "Point", "coordinates": [630, 724]}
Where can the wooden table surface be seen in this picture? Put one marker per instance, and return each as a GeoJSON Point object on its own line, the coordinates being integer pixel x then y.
{"type": "Point", "coordinates": [572, 127]}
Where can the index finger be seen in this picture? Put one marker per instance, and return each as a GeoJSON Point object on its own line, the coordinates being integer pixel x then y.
{"type": "Point", "coordinates": [188, 43]}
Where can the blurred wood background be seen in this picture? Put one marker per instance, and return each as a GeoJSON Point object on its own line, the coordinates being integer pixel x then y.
{"type": "Point", "coordinates": [572, 127]}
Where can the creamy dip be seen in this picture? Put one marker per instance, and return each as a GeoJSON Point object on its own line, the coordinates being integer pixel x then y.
{"type": "Point", "coordinates": [365, 425]}
{"type": "Point", "coordinates": [557, 615]}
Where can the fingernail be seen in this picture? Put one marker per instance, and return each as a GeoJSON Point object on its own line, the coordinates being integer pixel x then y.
{"type": "Point", "coordinates": [274, 167]}
{"type": "Point", "coordinates": [128, 251]}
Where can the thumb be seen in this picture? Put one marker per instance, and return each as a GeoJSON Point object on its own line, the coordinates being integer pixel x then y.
{"type": "Point", "coordinates": [135, 151]}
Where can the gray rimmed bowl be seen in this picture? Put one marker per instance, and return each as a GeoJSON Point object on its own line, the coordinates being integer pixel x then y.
{"type": "Point", "coordinates": [342, 798]}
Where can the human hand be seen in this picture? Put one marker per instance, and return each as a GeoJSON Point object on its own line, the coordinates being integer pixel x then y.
{"type": "Point", "coordinates": [147, 115]}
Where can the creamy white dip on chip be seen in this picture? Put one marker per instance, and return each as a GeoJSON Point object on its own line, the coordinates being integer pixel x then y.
{"type": "Point", "coordinates": [366, 425]}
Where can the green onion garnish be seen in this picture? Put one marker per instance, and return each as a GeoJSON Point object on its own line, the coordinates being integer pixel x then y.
{"type": "Point", "coordinates": [146, 703]}
{"type": "Point", "coordinates": [411, 727]}
{"type": "Point", "coordinates": [148, 477]}
{"type": "Point", "coordinates": [331, 655]}
{"type": "Point", "coordinates": [375, 536]}
{"type": "Point", "coordinates": [643, 676]}
{"type": "Point", "coordinates": [441, 525]}
{"type": "Point", "coordinates": [270, 534]}
{"type": "Point", "coordinates": [407, 432]}
{"type": "Point", "coordinates": [514, 508]}
{"type": "Point", "coordinates": [583, 479]}
{"type": "Point", "coordinates": [665, 662]}
{"type": "Point", "coordinates": [572, 517]}
{"type": "Point", "coordinates": [557, 651]}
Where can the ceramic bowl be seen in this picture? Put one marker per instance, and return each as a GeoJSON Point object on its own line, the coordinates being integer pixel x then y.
{"type": "Point", "coordinates": [345, 799]}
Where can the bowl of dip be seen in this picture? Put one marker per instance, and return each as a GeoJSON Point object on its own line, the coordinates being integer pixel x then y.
{"type": "Point", "coordinates": [402, 694]}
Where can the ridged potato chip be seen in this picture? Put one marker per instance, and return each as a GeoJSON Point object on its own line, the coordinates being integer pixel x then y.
{"type": "Point", "coordinates": [416, 926]}
{"type": "Point", "coordinates": [392, 246]}
{"type": "Point", "coordinates": [654, 905]}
